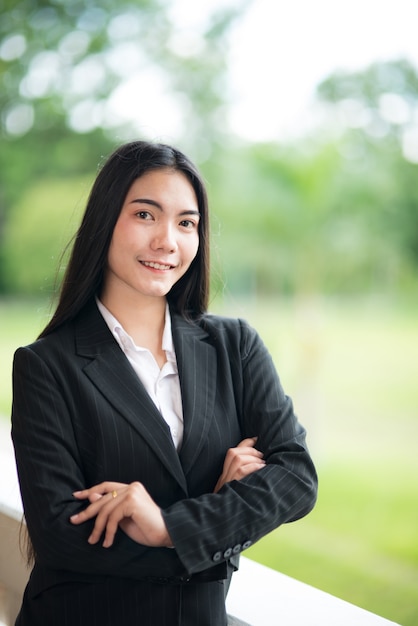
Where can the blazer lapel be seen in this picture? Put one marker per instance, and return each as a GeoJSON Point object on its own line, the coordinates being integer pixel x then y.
{"type": "Point", "coordinates": [196, 362]}
{"type": "Point", "coordinates": [110, 371]}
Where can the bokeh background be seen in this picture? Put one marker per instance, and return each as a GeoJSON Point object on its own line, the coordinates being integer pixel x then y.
{"type": "Point", "coordinates": [303, 117]}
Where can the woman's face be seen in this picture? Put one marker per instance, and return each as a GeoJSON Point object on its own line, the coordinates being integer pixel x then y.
{"type": "Point", "coordinates": [155, 238]}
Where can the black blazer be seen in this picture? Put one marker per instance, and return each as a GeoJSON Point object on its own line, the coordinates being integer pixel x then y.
{"type": "Point", "coordinates": [81, 416]}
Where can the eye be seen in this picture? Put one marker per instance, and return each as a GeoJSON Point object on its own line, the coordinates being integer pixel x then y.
{"type": "Point", "coordinates": [189, 224]}
{"type": "Point", "coordinates": [144, 215]}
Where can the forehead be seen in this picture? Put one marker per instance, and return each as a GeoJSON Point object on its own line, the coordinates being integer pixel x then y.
{"type": "Point", "coordinates": [164, 184]}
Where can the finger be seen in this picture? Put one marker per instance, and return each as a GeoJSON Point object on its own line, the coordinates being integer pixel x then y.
{"type": "Point", "coordinates": [249, 468]}
{"type": "Point", "coordinates": [106, 522]}
{"type": "Point", "coordinates": [238, 455]}
{"type": "Point", "coordinates": [83, 494]}
{"type": "Point", "coordinates": [110, 512]}
{"type": "Point", "coordinates": [250, 441]}
{"type": "Point", "coordinates": [239, 472]}
{"type": "Point", "coordinates": [239, 466]}
{"type": "Point", "coordinates": [111, 529]}
{"type": "Point", "coordinates": [93, 509]}
{"type": "Point", "coordinates": [98, 490]}
{"type": "Point", "coordinates": [249, 452]}
{"type": "Point", "coordinates": [92, 496]}
{"type": "Point", "coordinates": [235, 456]}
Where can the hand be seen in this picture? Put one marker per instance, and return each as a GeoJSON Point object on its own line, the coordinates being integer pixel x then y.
{"type": "Point", "coordinates": [240, 461]}
{"type": "Point", "coordinates": [127, 506]}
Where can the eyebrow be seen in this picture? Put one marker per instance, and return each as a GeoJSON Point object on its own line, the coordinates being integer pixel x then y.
{"type": "Point", "coordinates": [159, 206]}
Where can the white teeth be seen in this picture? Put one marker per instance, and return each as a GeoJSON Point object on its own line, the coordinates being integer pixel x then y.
{"type": "Point", "coordinates": [156, 266]}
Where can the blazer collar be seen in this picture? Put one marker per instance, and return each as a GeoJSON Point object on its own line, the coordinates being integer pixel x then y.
{"type": "Point", "coordinates": [111, 373]}
{"type": "Point", "coordinates": [197, 364]}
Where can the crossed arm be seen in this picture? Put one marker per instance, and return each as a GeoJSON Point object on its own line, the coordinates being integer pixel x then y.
{"type": "Point", "coordinates": [50, 466]}
{"type": "Point", "coordinates": [130, 507]}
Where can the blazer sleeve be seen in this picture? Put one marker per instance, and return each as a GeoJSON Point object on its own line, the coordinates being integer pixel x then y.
{"type": "Point", "coordinates": [50, 469]}
{"type": "Point", "coordinates": [213, 527]}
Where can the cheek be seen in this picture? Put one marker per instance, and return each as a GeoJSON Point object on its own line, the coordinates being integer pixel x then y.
{"type": "Point", "coordinates": [189, 252]}
{"type": "Point", "coordinates": [112, 253]}
{"type": "Point", "coordinates": [116, 253]}
{"type": "Point", "coordinates": [121, 240]}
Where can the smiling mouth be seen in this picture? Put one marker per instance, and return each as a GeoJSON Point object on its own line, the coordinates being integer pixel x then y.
{"type": "Point", "coordinates": [157, 266]}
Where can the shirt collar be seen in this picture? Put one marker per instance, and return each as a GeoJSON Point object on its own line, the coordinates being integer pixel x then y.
{"type": "Point", "coordinates": [119, 332]}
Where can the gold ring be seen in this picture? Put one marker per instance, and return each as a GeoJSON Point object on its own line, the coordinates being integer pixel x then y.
{"type": "Point", "coordinates": [114, 493]}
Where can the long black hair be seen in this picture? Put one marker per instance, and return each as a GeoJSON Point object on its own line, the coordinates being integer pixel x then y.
{"type": "Point", "coordinates": [85, 272]}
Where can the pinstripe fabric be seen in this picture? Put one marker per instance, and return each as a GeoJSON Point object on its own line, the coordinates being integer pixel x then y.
{"type": "Point", "coordinates": [123, 602]}
{"type": "Point", "coordinates": [81, 416]}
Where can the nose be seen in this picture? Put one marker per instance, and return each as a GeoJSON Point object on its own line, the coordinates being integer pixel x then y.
{"type": "Point", "coordinates": [164, 238]}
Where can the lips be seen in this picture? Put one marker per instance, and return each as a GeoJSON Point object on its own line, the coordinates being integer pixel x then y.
{"type": "Point", "coordinates": [156, 266]}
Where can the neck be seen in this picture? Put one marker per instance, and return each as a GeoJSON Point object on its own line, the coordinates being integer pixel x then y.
{"type": "Point", "coordinates": [143, 319]}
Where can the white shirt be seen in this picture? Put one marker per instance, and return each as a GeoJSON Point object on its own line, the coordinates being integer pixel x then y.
{"type": "Point", "coordinates": [163, 385]}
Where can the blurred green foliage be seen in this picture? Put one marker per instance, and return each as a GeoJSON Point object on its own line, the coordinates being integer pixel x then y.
{"type": "Point", "coordinates": [282, 221]}
{"type": "Point", "coordinates": [378, 109]}
{"type": "Point", "coordinates": [60, 61]}
{"type": "Point", "coordinates": [60, 64]}
{"type": "Point", "coordinates": [38, 231]}
{"type": "Point", "coordinates": [305, 218]}
{"type": "Point", "coordinates": [332, 212]}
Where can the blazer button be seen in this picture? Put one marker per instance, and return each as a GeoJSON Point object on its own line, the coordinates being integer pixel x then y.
{"type": "Point", "coordinates": [246, 544]}
{"type": "Point", "coordinates": [217, 556]}
{"type": "Point", "coordinates": [227, 553]}
{"type": "Point", "coordinates": [236, 549]}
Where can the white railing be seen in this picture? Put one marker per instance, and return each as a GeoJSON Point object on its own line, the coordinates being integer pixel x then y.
{"type": "Point", "coordinates": [258, 595]}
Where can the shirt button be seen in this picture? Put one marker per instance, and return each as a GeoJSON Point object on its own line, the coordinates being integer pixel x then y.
{"type": "Point", "coordinates": [217, 556]}
{"type": "Point", "coordinates": [227, 553]}
{"type": "Point", "coordinates": [246, 544]}
{"type": "Point", "coordinates": [236, 549]}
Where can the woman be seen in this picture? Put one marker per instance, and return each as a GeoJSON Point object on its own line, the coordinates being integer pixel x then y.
{"type": "Point", "coordinates": [153, 441]}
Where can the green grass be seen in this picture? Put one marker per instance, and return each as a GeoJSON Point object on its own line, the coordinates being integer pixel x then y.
{"type": "Point", "coordinates": [351, 367]}
{"type": "Point", "coordinates": [358, 544]}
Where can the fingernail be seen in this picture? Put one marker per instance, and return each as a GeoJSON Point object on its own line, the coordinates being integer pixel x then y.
{"type": "Point", "coordinates": [74, 517]}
